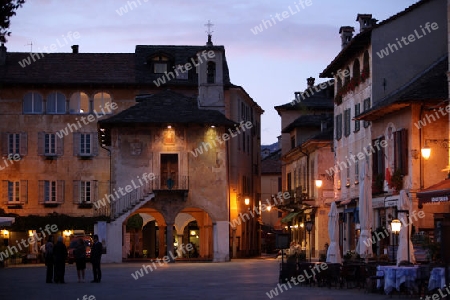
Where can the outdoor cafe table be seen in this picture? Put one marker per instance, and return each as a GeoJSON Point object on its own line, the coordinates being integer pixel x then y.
{"type": "Point", "coordinates": [394, 276]}
{"type": "Point", "coordinates": [437, 279]}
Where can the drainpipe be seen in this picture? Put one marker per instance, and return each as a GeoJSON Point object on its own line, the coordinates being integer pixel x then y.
{"type": "Point", "coordinates": [421, 181]}
{"type": "Point", "coordinates": [110, 168]}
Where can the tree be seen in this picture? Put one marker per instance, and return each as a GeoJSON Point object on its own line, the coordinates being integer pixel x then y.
{"type": "Point", "coordinates": [7, 10]}
{"type": "Point", "coordinates": [135, 223]}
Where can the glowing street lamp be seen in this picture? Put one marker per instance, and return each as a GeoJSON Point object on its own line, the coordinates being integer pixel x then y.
{"type": "Point", "coordinates": [318, 182]}
{"type": "Point", "coordinates": [247, 201]}
{"type": "Point", "coordinates": [426, 152]}
{"type": "Point", "coordinates": [396, 225]}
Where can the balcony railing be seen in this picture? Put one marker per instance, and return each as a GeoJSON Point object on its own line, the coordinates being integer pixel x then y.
{"type": "Point", "coordinates": [179, 183]}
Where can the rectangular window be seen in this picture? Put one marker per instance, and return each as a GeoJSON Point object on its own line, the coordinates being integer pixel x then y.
{"type": "Point", "coordinates": [357, 112]}
{"type": "Point", "coordinates": [347, 122]}
{"type": "Point", "coordinates": [85, 144]}
{"type": "Point", "coordinates": [49, 144]}
{"type": "Point", "coordinates": [159, 68]}
{"type": "Point", "coordinates": [357, 172]}
{"type": "Point", "coordinates": [366, 104]}
{"type": "Point", "coordinates": [339, 127]}
{"type": "Point", "coordinates": [14, 143]}
{"type": "Point", "coordinates": [49, 191]}
{"type": "Point", "coordinates": [378, 168]}
{"type": "Point", "coordinates": [13, 191]}
{"type": "Point", "coordinates": [293, 142]}
{"type": "Point", "coordinates": [401, 151]}
{"type": "Point", "coordinates": [85, 191]}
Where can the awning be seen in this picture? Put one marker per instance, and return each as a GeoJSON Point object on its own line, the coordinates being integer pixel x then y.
{"type": "Point", "coordinates": [289, 217]}
{"type": "Point", "coordinates": [436, 193]}
{"type": "Point", "coordinates": [7, 221]}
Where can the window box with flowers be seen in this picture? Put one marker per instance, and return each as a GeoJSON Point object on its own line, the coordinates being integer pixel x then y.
{"type": "Point", "coordinates": [365, 73]}
{"type": "Point", "coordinates": [351, 85]}
{"type": "Point", "coordinates": [396, 181]}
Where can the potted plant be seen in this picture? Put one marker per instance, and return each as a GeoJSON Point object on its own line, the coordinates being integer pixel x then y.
{"type": "Point", "coordinates": [397, 180]}
{"type": "Point", "coordinates": [348, 255]}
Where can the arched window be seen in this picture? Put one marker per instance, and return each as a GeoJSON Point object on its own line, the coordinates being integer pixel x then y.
{"type": "Point", "coordinates": [366, 63]}
{"type": "Point", "coordinates": [356, 69]}
{"type": "Point", "coordinates": [32, 103]}
{"type": "Point", "coordinates": [102, 103]}
{"type": "Point", "coordinates": [56, 103]}
{"type": "Point", "coordinates": [211, 72]}
{"type": "Point", "coordinates": [347, 78]}
{"type": "Point", "coordinates": [79, 103]}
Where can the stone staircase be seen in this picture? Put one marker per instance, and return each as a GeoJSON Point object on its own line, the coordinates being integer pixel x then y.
{"type": "Point", "coordinates": [125, 204]}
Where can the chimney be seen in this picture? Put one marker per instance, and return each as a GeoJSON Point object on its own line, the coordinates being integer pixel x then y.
{"type": "Point", "coordinates": [2, 55]}
{"type": "Point", "coordinates": [310, 82]}
{"type": "Point", "coordinates": [365, 21]}
{"type": "Point", "coordinates": [346, 35]}
{"type": "Point", "coordinates": [75, 48]}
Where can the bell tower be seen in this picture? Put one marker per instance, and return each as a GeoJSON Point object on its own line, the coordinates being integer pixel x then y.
{"type": "Point", "coordinates": [210, 75]}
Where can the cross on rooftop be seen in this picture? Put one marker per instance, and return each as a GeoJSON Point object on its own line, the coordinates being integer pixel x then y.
{"type": "Point", "coordinates": [209, 25]}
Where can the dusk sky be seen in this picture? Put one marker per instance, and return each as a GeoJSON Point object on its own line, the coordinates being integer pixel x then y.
{"type": "Point", "coordinates": [270, 65]}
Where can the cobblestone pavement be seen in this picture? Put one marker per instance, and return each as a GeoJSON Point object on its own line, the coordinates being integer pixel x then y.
{"type": "Point", "coordinates": [240, 279]}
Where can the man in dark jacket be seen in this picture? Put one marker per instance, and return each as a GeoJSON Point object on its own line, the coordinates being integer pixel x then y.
{"type": "Point", "coordinates": [96, 256]}
{"type": "Point", "coordinates": [49, 259]}
{"type": "Point", "coordinates": [59, 259]}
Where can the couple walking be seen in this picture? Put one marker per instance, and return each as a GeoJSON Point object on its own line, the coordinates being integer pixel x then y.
{"type": "Point", "coordinates": [80, 259]}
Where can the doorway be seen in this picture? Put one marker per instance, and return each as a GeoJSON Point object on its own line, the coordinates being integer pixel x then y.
{"type": "Point", "coordinates": [169, 171]}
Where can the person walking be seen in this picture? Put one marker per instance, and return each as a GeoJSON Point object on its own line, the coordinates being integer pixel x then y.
{"type": "Point", "coordinates": [49, 259]}
{"type": "Point", "coordinates": [60, 255]}
{"type": "Point", "coordinates": [80, 259]}
{"type": "Point", "coordinates": [96, 256]}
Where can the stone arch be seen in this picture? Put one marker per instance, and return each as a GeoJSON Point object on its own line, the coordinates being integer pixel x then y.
{"type": "Point", "coordinates": [151, 239]}
{"type": "Point", "coordinates": [203, 238]}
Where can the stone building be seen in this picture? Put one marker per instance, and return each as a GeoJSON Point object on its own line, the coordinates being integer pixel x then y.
{"type": "Point", "coordinates": [161, 132]}
{"type": "Point", "coordinates": [390, 86]}
{"type": "Point", "coordinates": [307, 129]}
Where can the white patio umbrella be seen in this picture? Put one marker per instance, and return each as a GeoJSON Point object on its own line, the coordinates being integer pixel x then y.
{"type": "Point", "coordinates": [402, 252]}
{"type": "Point", "coordinates": [333, 252]}
{"type": "Point", "coordinates": [364, 246]}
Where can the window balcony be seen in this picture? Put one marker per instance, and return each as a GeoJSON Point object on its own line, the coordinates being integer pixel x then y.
{"type": "Point", "coordinates": [179, 183]}
{"type": "Point", "coordinates": [171, 188]}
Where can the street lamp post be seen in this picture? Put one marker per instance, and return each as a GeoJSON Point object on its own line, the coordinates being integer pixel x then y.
{"type": "Point", "coordinates": [395, 227]}
{"type": "Point", "coordinates": [309, 225]}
